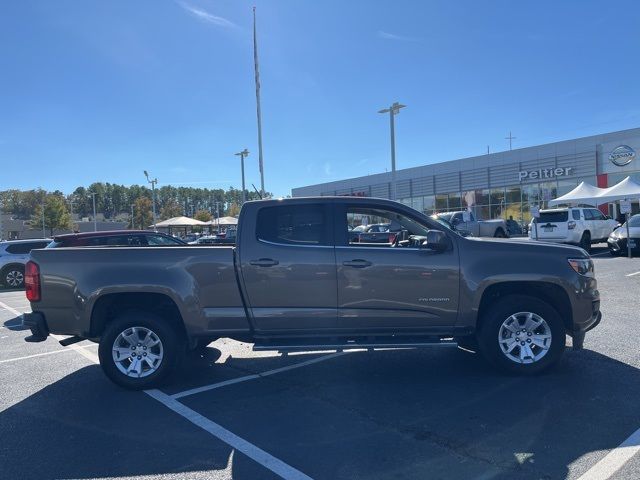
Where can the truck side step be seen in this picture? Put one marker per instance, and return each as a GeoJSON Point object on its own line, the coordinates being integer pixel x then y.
{"type": "Point", "coordinates": [369, 343]}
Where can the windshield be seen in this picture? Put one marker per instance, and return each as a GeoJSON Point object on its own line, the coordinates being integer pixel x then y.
{"type": "Point", "coordinates": [634, 221]}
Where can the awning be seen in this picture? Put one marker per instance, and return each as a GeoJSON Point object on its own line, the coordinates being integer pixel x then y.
{"type": "Point", "coordinates": [223, 221]}
{"type": "Point", "coordinates": [179, 222]}
{"type": "Point", "coordinates": [587, 194]}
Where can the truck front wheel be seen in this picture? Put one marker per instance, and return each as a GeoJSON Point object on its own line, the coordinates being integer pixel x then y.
{"type": "Point", "coordinates": [139, 349]}
{"type": "Point", "coordinates": [522, 334]}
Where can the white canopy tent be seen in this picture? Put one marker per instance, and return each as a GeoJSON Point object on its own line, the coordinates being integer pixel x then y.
{"type": "Point", "coordinates": [179, 222]}
{"type": "Point", "coordinates": [587, 194]}
{"type": "Point", "coordinates": [223, 221]}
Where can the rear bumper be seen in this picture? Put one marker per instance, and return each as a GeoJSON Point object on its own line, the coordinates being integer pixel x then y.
{"type": "Point", "coordinates": [35, 322]}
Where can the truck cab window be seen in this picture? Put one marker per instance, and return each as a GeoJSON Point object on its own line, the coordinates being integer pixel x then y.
{"type": "Point", "coordinates": [370, 227]}
{"type": "Point", "coordinates": [293, 224]}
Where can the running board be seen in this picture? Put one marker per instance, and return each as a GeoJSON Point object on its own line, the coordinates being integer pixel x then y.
{"type": "Point", "coordinates": [336, 344]}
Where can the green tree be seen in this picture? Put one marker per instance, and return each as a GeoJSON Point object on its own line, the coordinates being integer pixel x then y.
{"type": "Point", "coordinates": [170, 209]}
{"type": "Point", "coordinates": [202, 215]}
{"type": "Point", "coordinates": [56, 215]}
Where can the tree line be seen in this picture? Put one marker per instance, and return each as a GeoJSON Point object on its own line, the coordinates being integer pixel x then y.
{"type": "Point", "coordinates": [114, 200]}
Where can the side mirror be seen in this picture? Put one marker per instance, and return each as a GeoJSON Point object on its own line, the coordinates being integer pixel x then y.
{"type": "Point", "coordinates": [436, 240]}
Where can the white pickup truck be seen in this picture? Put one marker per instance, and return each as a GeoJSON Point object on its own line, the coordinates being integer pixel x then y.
{"type": "Point", "coordinates": [477, 228]}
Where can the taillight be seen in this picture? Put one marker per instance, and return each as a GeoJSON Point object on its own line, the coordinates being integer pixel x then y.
{"type": "Point", "coordinates": [32, 281]}
{"type": "Point", "coordinates": [571, 225]}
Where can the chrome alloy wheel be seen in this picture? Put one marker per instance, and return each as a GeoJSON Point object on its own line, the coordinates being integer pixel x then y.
{"type": "Point", "coordinates": [14, 278]}
{"type": "Point", "coordinates": [137, 352]}
{"type": "Point", "coordinates": [524, 337]}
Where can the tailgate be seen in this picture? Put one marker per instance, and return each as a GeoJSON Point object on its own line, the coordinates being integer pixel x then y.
{"type": "Point", "coordinates": [552, 225]}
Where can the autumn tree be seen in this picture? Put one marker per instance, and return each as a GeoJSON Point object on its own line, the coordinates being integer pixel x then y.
{"type": "Point", "coordinates": [203, 216]}
{"type": "Point", "coordinates": [170, 209]}
{"type": "Point", "coordinates": [142, 213]}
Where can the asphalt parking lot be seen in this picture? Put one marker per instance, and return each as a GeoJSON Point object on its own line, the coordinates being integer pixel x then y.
{"type": "Point", "coordinates": [234, 413]}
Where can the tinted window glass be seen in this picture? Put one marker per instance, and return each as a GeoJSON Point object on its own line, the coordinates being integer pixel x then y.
{"type": "Point", "coordinates": [117, 241]}
{"type": "Point", "coordinates": [597, 214]}
{"type": "Point", "coordinates": [575, 214]}
{"type": "Point", "coordinates": [293, 224]}
{"type": "Point", "coordinates": [159, 240]}
{"type": "Point", "coordinates": [634, 221]}
{"type": "Point", "coordinates": [553, 216]}
{"type": "Point", "coordinates": [588, 215]}
{"type": "Point", "coordinates": [24, 248]}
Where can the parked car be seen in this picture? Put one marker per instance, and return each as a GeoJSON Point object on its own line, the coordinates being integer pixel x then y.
{"type": "Point", "coordinates": [577, 226]}
{"type": "Point", "coordinates": [617, 241]}
{"type": "Point", "coordinates": [13, 256]}
{"type": "Point", "coordinates": [477, 228]}
{"type": "Point", "coordinates": [115, 238]}
{"type": "Point", "coordinates": [295, 282]}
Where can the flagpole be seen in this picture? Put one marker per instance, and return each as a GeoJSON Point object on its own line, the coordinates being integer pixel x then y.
{"type": "Point", "coordinates": [259, 113]}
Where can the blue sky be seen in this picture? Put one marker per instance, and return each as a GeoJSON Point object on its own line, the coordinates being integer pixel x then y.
{"type": "Point", "coordinates": [99, 91]}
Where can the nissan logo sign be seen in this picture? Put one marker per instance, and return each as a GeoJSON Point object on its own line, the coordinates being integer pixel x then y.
{"type": "Point", "coordinates": [622, 155]}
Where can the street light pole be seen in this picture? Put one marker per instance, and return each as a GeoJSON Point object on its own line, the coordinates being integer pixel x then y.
{"type": "Point", "coordinates": [133, 222]}
{"type": "Point", "coordinates": [95, 219]}
{"type": "Point", "coordinates": [153, 198]}
{"type": "Point", "coordinates": [393, 110]}
{"type": "Point", "coordinates": [44, 196]}
{"type": "Point", "coordinates": [243, 154]}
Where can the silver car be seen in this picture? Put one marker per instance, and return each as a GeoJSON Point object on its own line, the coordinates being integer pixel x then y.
{"type": "Point", "coordinates": [13, 256]}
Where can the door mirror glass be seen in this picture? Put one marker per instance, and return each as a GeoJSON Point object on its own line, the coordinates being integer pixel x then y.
{"type": "Point", "coordinates": [436, 240]}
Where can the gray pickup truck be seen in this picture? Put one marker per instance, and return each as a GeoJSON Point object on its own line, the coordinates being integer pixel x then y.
{"type": "Point", "coordinates": [297, 281]}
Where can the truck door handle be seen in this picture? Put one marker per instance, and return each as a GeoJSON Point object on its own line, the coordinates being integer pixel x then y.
{"type": "Point", "coordinates": [264, 262]}
{"type": "Point", "coordinates": [357, 263]}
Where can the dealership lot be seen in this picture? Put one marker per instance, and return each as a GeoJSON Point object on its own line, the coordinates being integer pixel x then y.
{"type": "Point", "coordinates": [234, 413]}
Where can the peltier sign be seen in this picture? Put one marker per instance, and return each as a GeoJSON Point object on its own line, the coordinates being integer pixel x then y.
{"type": "Point", "coordinates": [543, 173]}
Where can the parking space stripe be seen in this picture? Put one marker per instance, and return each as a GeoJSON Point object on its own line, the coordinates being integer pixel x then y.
{"type": "Point", "coordinates": [633, 274]}
{"type": "Point", "coordinates": [253, 452]}
{"type": "Point", "coordinates": [41, 354]}
{"type": "Point", "coordinates": [255, 376]}
{"type": "Point", "coordinates": [10, 309]}
{"type": "Point", "coordinates": [615, 459]}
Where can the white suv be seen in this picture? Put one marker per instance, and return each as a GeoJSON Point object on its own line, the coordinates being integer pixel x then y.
{"type": "Point", "coordinates": [13, 256]}
{"type": "Point", "coordinates": [578, 226]}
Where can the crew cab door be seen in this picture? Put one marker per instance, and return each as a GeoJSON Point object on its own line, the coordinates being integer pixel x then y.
{"type": "Point", "coordinates": [288, 265]}
{"type": "Point", "coordinates": [394, 286]}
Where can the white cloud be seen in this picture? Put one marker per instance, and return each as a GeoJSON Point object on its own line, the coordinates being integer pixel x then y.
{"type": "Point", "coordinates": [327, 169]}
{"type": "Point", "coordinates": [397, 38]}
{"type": "Point", "coordinates": [206, 16]}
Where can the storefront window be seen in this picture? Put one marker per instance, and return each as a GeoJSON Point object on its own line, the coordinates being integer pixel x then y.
{"type": "Point", "coordinates": [497, 196]}
{"type": "Point", "coordinates": [442, 204]}
{"type": "Point", "coordinates": [513, 194]}
{"type": "Point", "coordinates": [416, 203]}
{"type": "Point", "coordinates": [429, 204]}
{"type": "Point", "coordinates": [454, 201]}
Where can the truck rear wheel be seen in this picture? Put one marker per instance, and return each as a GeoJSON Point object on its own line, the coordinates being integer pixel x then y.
{"type": "Point", "coordinates": [522, 334]}
{"type": "Point", "coordinates": [139, 350]}
{"type": "Point", "coordinates": [500, 233]}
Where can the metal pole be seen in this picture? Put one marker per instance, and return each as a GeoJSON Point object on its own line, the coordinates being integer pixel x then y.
{"type": "Point", "coordinates": [244, 193]}
{"type": "Point", "coordinates": [95, 219]}
{"type": "Point", "coordinates": [258, 110]}
{"type": "Point", "coordinates": [44, 234]}
{"type": "Point", "coordinates": [393, 154]}
{"type": "Point", "coordinates": [628, 238]}
{"type": "Point", "coordinates": [153, 199]}
{"type": "Point", "coordinates": [133, 221]}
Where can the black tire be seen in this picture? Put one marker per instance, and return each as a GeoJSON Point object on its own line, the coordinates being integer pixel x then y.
{"type": "Point", "coordinates": [13, 274]}
{"type": "Point", "coordinates": [500, 234]}
{"type": "Point", "coordinates": [172, 342]}
{"type": "Point", "coordinates": [585, 241]}
{"type": "Point", "coordinates": [503, 309]}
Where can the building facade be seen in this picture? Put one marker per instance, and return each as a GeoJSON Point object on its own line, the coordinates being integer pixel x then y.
{"type": "Point", "coordinates": [504, 184]}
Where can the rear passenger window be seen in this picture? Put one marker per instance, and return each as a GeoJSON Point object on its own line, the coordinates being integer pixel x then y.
{"type": "Point", "coordinates": [117, 241]}
{"type": "Point", "coordinates": [23, 248]}
{"type": "Point", "coordinates": [293, 224]}
{"type": "Point", "coordinates": [597, 214]}
{"type": "Point", "coordinates": [575, 214]}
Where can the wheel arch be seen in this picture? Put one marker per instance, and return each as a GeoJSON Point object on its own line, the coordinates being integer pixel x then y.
{"type": "Point", "coordinates": [548, 292]}
{"type": "Point", "coordinates": [109, 306]}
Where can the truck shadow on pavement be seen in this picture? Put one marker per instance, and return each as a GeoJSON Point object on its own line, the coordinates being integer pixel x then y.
{"type": "Point", "coordinates": [408, 414]}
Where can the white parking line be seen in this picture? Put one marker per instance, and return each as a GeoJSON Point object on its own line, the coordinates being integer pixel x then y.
{"type": "Point", "coordinates": [43, 354]}
{"type": "Point", "coordinates": [254, 376]}
{"type": "Point", "coordinates": [633, 274]}
{"type": "Point", "coordinates": [253, 452]}
{"type": "Point", "coordinates": [615, 459]}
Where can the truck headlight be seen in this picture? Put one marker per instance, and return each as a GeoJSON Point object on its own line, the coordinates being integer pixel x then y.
{"type": "Point", "coordinates": [582, 266]}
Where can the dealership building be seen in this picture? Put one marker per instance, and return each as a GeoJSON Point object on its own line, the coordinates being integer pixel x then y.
{"type": "Point", "coordinates": [504, 184]}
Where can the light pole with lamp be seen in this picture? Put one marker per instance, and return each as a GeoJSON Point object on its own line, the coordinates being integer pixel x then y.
{"type": "Point", "coordinates": [95, 219]}
{"type": "Point", "coordinates": [243, 154]}
{"type": "Point", "coordinates": [153, 197]}
{"type": "Point", "coordinates": [393, 110]}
